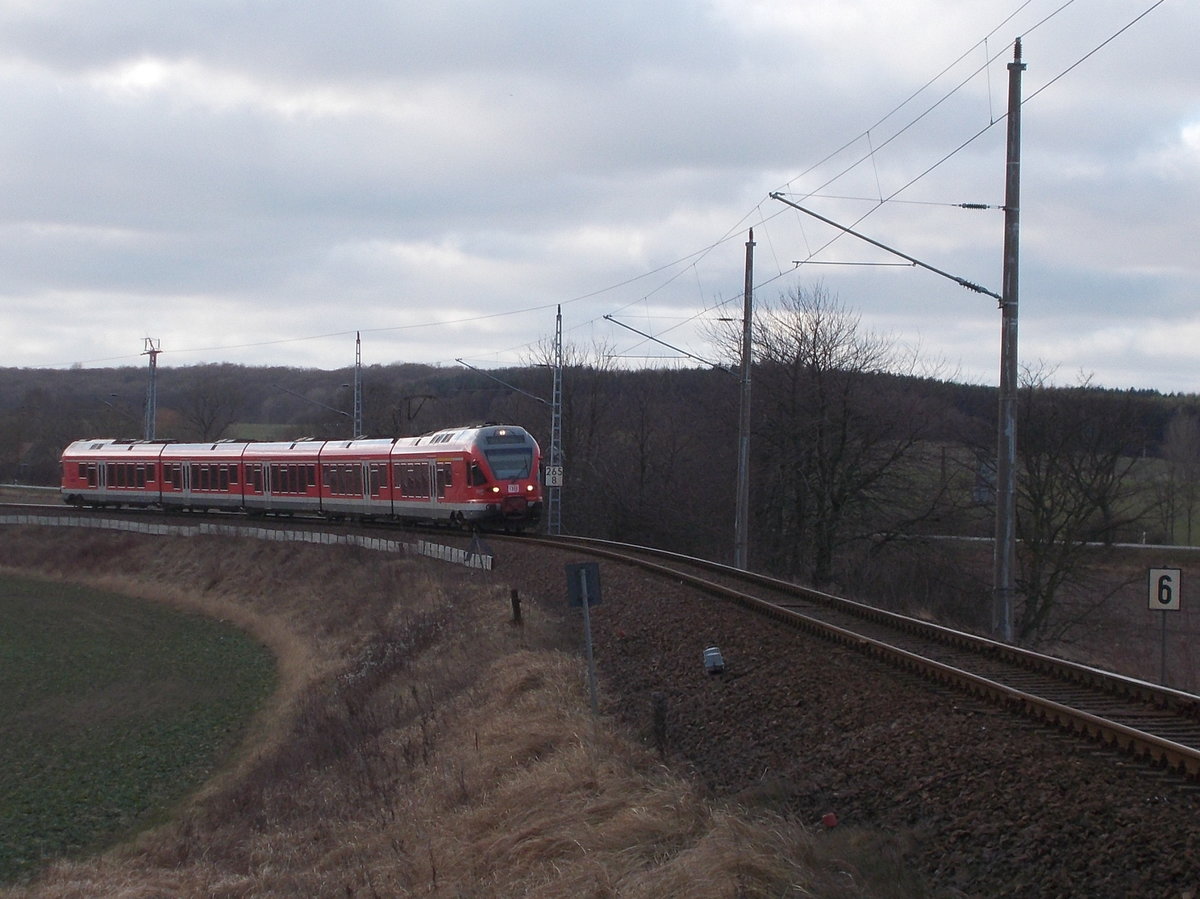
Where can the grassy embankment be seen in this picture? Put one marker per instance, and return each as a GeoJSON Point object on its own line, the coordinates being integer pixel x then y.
{"type": "Point", "coordinates": [420, 743]}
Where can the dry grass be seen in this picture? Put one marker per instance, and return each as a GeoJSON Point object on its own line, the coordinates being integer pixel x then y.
{"type": "Point", "coordinates": [419, 744]}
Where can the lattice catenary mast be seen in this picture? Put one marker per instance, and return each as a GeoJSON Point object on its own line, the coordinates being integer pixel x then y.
{"type": "Point", "coordinates": [151, 413]}
{"type": "Point", "coordinates": [554, 470]}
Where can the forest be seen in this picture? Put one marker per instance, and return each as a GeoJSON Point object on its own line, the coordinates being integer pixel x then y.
{"type": "Point", "coordinates": [862, 461]}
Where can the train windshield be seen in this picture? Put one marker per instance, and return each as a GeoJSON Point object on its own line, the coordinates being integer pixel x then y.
{"type": "Point", "coordinates": [510, 463]}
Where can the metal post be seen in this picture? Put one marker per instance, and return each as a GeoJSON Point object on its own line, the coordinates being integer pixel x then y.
{"type": "Point", "coordinates": [358, 404]}
{"type": "Point", "coordinates": [151, 411]}
{"type": "Point", "coordinates": [587, 637]}
{"type": "Point", "coordinates": [1006, 442]}
{"type": "Point", "coordinates": [1162, 669]}
{"type": "Point", "coordinates": [741, 527]}
{"type": "Point", "coordinates": [554, 491]}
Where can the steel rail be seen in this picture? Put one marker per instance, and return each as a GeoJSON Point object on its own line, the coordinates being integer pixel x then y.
{"type": "Point", "coordinates": [1155, 748]}
{"type": "Point", "coordinates": [1174, 755]}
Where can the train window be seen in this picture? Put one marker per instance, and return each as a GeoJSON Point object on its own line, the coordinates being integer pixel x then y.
{"type": "Point", "coordinates": [510, 463]}
{"type": "Point", "coordinates": [443, 479]}
{"type": "Point", "coordinates": [222, 477]}
{"type": "Point", "coordinates": [141, 476]}
{"type": "Point", "coordinates": [233, 474]}
{"type": "Point", "coordinates": [412, 479]}
{"type": "Point", "coordinates": [255, 474]}
{"type": "Point", "coordinates": [476, 477]}
{"type": "Point", "coordinates": [375, 477]}
{"type": "Point", "coordinates": [350, 479]}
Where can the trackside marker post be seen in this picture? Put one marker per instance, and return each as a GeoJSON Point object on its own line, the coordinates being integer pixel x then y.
{"type": "Point", "coordinates": [583, 589]}
{"type": "Point", "coordinates": [1165, 595]}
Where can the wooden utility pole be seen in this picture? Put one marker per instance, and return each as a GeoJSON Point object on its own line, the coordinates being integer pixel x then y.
{"type": "Point", "coordinates": [1006, 444]}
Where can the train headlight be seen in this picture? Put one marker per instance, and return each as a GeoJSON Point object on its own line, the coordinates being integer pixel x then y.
{"type": "Point", "coordinates": [529, 488]}
{"type": "Point", "coordinates": [495, 488]}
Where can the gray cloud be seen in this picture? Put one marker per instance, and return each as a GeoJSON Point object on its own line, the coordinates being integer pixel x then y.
{"type": "Point", "coordinates": [221, 174]}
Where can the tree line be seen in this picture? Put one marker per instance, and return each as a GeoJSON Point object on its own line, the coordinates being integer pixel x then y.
{"type": "Point", "coordinates": [860, 454]}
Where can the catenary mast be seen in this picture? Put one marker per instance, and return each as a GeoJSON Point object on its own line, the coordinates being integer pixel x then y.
{"type": "Point", "coordinates": [1006, 449]}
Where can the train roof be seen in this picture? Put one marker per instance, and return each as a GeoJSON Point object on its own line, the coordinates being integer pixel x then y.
{"type": "Point", "coordinates": [109, 446]}
{"type": "Point", "coordinates": [472, 435]}
{"type": "Point", "coordinates": [459, 439]}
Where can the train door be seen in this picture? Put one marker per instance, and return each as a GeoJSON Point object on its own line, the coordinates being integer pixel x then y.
{"type": "Point", "coordinates": [268, 484]}
{"type": "Point", "coordinates": [101, 479]}
{"type": "Point", "coordinates": [365, 488]}
{"type": "Point", "coordinates": [378, 500]}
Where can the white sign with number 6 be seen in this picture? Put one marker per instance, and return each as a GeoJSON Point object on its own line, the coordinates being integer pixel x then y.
{"type": "Point", "coordinates": [1164, 589]}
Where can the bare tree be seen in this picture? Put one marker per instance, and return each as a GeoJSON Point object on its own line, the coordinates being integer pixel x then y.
{"type": "Point", "coordinates": [214, 398]}
{"type": "Point", "coordinates": [590, 411]}
{"type": "Point", "coordinates": [1181, 483]}
{"type": "Point", "coordinates": [1075, 490]}
{"type": "Point", "coordinates": [838, 436]}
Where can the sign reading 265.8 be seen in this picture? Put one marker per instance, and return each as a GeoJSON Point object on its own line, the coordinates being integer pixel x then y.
{"type": "Point", "coordinates": [1164, 589]}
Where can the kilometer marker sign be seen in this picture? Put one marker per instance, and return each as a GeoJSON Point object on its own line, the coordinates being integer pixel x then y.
{"type": "Point", "coordinates": [1164, 589]}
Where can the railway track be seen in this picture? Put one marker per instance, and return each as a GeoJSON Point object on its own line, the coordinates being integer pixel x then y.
{"type": "Point", "coordinates": [1159, 725]}
{"type": "Point", "coordinates": [1156, 724]}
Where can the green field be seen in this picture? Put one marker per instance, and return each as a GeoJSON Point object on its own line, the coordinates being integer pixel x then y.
{"type": "Point", "coordinates": [111, 710]}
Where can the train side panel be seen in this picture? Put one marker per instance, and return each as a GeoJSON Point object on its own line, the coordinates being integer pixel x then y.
{"type": "Point", "coordinates": [106, 472]}
{"type": "Point", "coordinates": [355, 478]}
{"type": "Point", "coordinates": [282, 478]}
{"type": "Point", "coordinates": [203, 475]}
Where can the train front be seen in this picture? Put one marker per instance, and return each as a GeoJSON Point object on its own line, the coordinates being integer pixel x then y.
{"type": "Point", "coordinates": [513, 458]}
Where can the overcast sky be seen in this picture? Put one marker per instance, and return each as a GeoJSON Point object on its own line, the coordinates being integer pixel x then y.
{"type": "Point", "coordinates": [253, 181]}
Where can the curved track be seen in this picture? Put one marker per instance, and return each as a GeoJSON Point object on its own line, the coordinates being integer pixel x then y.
{"type": "Point", "coordinates": [1157, 724]}
{"type": "Point", "coordinates": [1154, 723]}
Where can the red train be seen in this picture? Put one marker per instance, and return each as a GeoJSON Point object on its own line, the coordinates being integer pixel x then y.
{"type": "Point", "coordinates": [477, 475]}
